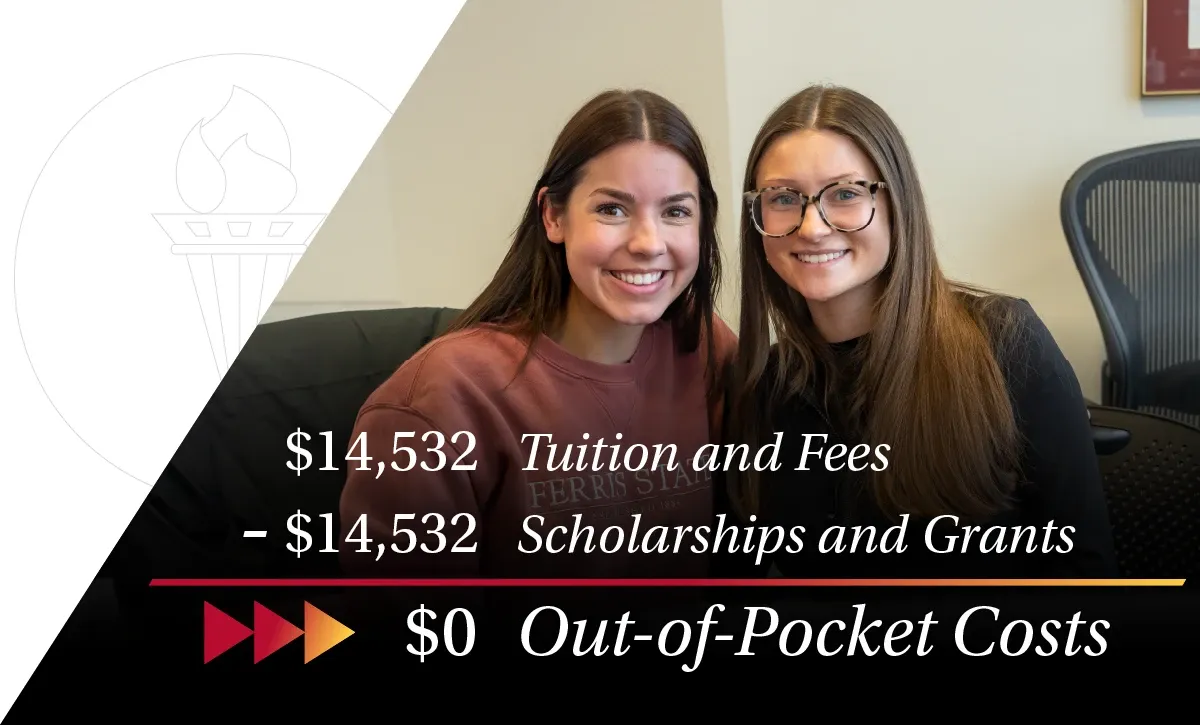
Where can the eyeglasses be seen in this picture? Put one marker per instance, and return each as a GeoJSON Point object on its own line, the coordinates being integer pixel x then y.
{"type": "Point", "coordinates": [847, 206]}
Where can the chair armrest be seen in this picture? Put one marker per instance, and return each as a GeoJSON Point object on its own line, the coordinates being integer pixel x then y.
{"type": "Point", "coordinates": [1109, 440]}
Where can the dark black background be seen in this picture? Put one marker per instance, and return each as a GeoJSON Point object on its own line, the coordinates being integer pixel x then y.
{"type": "Point", "coordinates": [157, 652]}
{"type": "Point", "coordinates": [135, 652]}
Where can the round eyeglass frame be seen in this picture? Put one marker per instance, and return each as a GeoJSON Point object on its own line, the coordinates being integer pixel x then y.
{"type": "Point", "coordinates": [870, 186]}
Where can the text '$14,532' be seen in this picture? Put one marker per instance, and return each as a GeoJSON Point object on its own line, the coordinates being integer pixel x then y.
{"type": "Point", "coordinates": [434, 539]}
{"type": "Point", "coordinates": [404, 457]}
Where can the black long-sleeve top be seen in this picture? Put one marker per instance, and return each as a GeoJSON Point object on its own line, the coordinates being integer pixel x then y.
{"type": "Point", "coordinates": [1061, 474]}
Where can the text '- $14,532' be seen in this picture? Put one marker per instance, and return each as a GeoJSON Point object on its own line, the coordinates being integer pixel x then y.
{"type": "Point", "coordinates": [433, 540]}
{"type": "Point", "coordinates": [404, 457]}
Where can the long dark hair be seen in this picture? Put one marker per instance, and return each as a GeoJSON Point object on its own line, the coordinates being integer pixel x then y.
{"type": "Point", "coordinates": [529, 291]}
{"type": "Point", "coordinates": [929, 383]}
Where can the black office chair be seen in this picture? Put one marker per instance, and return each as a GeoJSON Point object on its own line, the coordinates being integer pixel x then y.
{"type": "Point", "coordinates": [1132, 222]}
{"type": "Point", "coordinates": [1151, 468]}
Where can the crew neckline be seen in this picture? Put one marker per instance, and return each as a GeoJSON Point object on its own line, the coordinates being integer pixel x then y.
{"type": "Point", "coordinates": [558, 356]}
{"type": "Point", "coordinates": [847, 345]}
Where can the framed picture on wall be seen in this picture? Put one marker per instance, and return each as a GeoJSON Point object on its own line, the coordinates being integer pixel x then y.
{"type": "Point", "coordinates": [1170, 47]}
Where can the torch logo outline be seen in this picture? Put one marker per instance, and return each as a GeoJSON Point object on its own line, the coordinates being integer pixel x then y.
{"type": "Point", "coordinates": [234, 172]}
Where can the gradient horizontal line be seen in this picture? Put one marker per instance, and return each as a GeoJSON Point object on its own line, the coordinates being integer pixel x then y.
{"type": "Point", "coordinates": [665, 583]}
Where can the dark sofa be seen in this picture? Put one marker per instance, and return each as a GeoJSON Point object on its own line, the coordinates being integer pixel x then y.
{"type": "Point", "coordinates": [230, 473]}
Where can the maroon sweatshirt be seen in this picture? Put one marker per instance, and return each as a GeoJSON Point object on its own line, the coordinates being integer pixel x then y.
{"type": "Point", "coordinates": [481, 479]}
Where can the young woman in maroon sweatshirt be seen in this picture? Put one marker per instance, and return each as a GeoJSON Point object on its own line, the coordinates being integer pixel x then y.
{"type": "Point", "coordinates": [597, 329]}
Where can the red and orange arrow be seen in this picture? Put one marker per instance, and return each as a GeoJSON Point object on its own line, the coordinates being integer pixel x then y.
{"type": "Point", "coordinates": [271, 632]}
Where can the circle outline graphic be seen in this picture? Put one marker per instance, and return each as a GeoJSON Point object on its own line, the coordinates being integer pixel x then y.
{"type": "Point", "coordinates": [33, 190]}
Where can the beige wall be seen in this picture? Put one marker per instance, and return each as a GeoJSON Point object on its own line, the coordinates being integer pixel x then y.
{"type": "Point", "coordinates": [430, 215]}
{"type": "Point", "coordinates": [1000, 102]}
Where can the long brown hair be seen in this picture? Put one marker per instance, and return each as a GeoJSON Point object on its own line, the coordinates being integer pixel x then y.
{"type": "Point", "coordinates": [928, 380]}
{"type": "Point", "coordinates": [529, 291]}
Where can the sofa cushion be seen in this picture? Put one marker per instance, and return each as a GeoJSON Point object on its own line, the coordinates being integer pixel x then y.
{"type": "Point", "coordinates": [230, 473]}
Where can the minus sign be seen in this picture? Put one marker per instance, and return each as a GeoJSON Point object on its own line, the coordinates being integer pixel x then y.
{"type": "Point", "coordinates": [254, 534]}
{"type": "Point", "coordinates": [643, 638]}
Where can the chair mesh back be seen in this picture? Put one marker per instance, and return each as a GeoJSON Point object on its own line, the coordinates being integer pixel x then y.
{"type": "Point", "coordinates": [1133, 222]}
{"type": "Point", "coordinates": [1153, 491]}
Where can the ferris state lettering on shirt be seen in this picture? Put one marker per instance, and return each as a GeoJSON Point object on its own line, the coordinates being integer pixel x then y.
{"type": "Point", "coordinates": [603, 480]}
{"type": "Point", "coordinates": [469, 381]}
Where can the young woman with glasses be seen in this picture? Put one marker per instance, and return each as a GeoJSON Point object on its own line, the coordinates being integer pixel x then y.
{"type": "Point", "coordinates": [598, 329]}
{"type": "Point", "coordinates": [899, 396]}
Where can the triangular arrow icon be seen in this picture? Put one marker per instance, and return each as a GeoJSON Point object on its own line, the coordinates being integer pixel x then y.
{"type": "Point", "coordinates": [221, 632]}
{"type": "Point", "coordinates": [321, 632]}
{"type": "Point", "coordinates": [271, 632]}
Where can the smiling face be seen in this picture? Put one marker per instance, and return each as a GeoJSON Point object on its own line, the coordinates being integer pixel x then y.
{"type": "Point", "coordinates": [836, 272]}
{"type": "Point", "coordinates": [631, 229]}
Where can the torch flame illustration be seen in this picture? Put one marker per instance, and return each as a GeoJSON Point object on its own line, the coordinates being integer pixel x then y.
{"type": "Point", "coordinates": [234, 172]}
